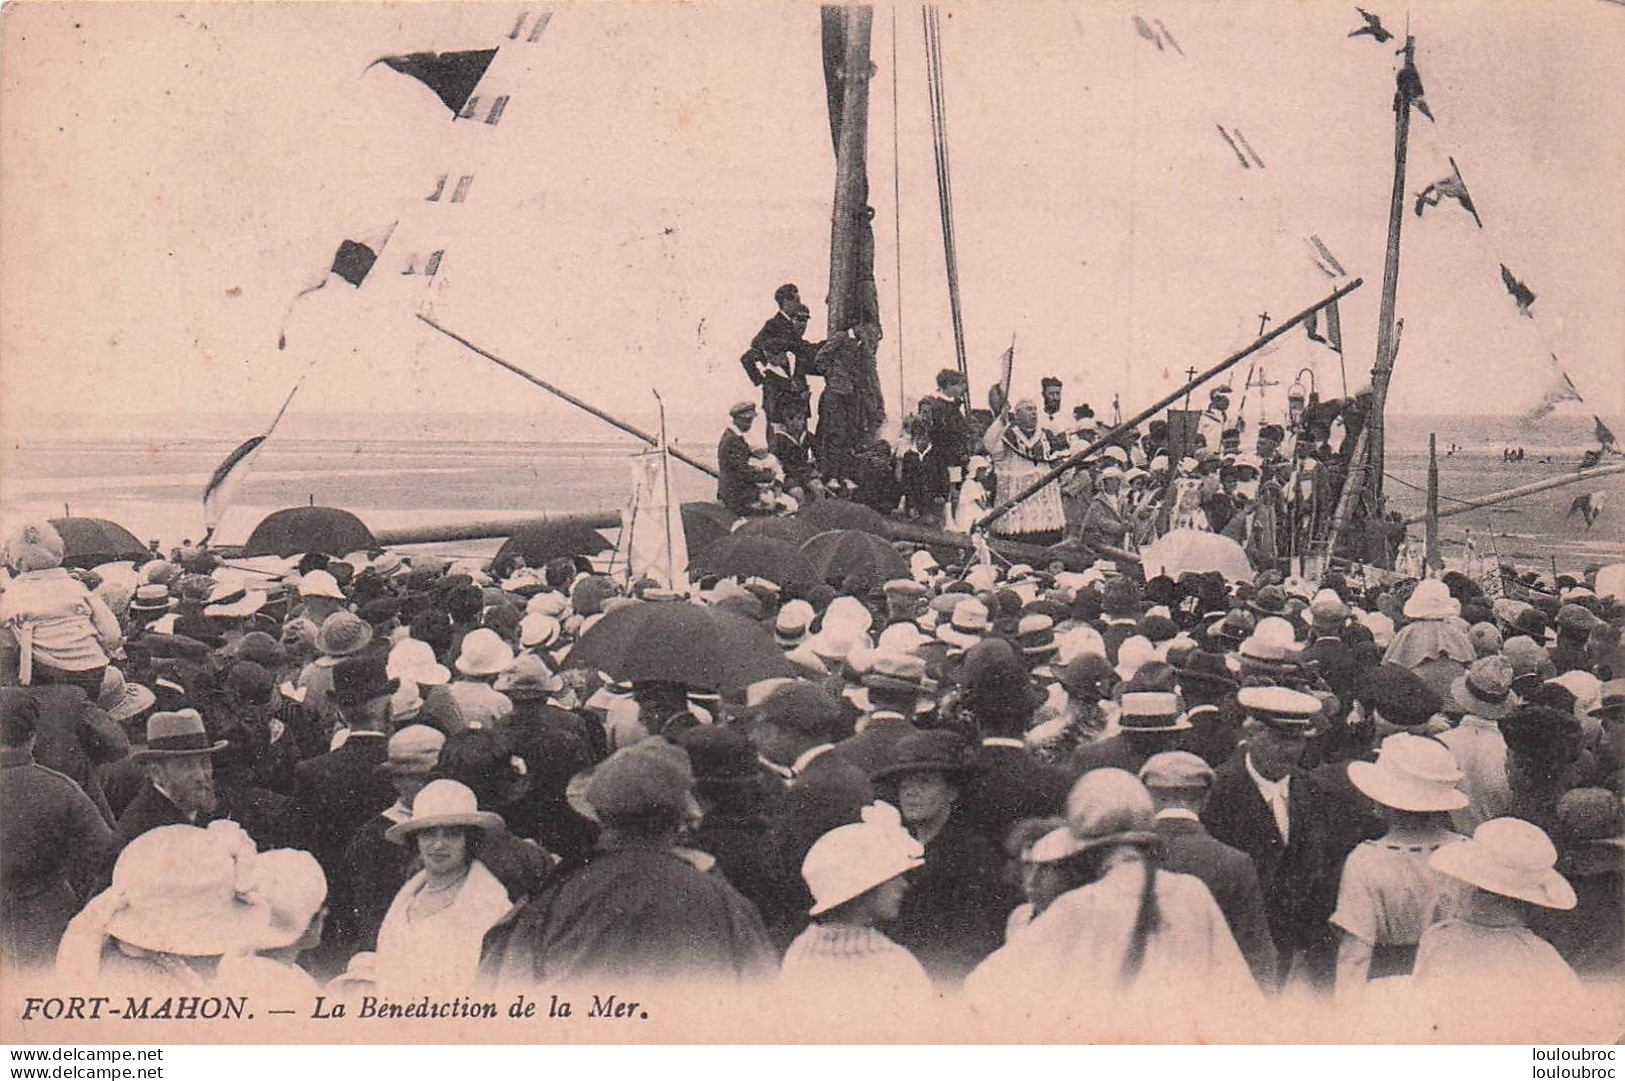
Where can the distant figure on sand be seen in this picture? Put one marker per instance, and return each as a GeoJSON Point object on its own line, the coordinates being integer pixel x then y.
{"type": "Point", "coordinates": [1588, 506]}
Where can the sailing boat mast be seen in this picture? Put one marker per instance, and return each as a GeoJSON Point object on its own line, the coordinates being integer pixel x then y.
{"type": "Point", "coordinates": [1407, 84]}
{"type": "Point", "coordinates": [847, 70]}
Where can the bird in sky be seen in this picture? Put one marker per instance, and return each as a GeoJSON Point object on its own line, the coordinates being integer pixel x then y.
{"type": "Point", "coordinates": [1373, 27]}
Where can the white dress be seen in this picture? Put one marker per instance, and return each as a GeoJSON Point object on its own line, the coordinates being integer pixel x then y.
{"type": "Point", "coordinates": [1060, 976]}
{"type": "Point", "coordinates": [440, 952]}
{"type": "Point", "coordinates": [1018, 461]}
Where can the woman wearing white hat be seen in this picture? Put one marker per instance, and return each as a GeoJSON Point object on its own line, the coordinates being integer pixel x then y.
{"type": "Point", "coordinates": [1388, 890]}
{"type": "Point", "coordinates": [1484, 958]}
{"type": "Point", "coordinates": [1433, 643]}
{"type": "Point", "coordinates": [1124, 952]}
{"type": "Point", "coordinates": [842, 961]}
{"type": "Point", "coordinates": [293, 885]}
{"type": "Point", "coordinates": [431, 935]}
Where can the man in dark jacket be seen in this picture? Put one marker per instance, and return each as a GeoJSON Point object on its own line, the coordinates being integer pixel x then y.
{"type": "Point", "coordinates": [780, 358]}
{"type": "Point", "coordinates": [180, 786]}
{"type": "Point", "coordinates": [1208, 689]}
{"type": "Point", "coordinates": [1150, 723]}
{"type": "Point", "coordinates": [74, 737]}
{"type": "Point", "coordinates": [1178, 782]}
{"type": "Point", "coordinates": [737, 477]}
{"type": "Point", "coordinates": [1289, 824]}
{"type": "Point", "coordinates": [1009, 784]}
{"type": "Point", "coordinates": [342, 789]}
{"type": "Point", "coordinates": [795, 728]}
{"type": "Point", "coordinates": [55, 842]}
{"type": "Point", "coordinates": [946, 433]}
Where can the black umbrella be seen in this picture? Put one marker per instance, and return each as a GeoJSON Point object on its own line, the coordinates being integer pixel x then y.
{"type": "Point", "coordinates": [840, 553]}
{"type": "Point", "coordinates": [547, 540]}
{"type": "Point", "coordinates": [705, 523]}
{"type": "Point", "coordinates": [89, 541]}
{"type": "Point", "coordinates": [844, 514]}
{"type": "Point", "coordinates": [327, 530]}
{"type": "Point", "coordinates": [741, 556]}
{"type": "Point", "coordinates": [678, 642]}
{"type": "Point", "coordinates": [797, 531]}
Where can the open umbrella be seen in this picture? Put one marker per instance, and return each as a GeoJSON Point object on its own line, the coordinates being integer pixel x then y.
{"type": "Point", "coordinates": [797, 531]}
{"type": "Point", "coordinates": [743, 556]}
{"type": "Point", "coordinates": [704, 523]}
{"type": "Point", "coordinates": [327, 530]}
{"type": "Point", "coordinates": [1196, 551]}
{"type": "Point", "coordinates": [678, 642]}
{"type": "Point", "coordinates": [551, 539]}
{"type": "Point", "coordinates": [840, 553]}
{"type": "Point", "coordinates": [89, 541]}
{"type": "Point", "coordinates": [844, 514]}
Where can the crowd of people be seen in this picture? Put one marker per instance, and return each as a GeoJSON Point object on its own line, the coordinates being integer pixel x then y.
{"type": "Point", "coordinates": [1069, 803]}
{"type": "Point", "coordinates": [949, 463]}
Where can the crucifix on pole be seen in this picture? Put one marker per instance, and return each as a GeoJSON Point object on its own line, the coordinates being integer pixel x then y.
{"type": "Point", "coordinates": [1262, 383]}
{"type": "Point", "coordinates": [1263, 321]}
{"type": "Point", "coordinates": [1190, 378]}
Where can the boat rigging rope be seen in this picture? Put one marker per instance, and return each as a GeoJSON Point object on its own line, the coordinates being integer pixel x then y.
{"type": "Point", "coordinates": [945, 197]}
{"type": "Point", "coordinates": [1419, 488]}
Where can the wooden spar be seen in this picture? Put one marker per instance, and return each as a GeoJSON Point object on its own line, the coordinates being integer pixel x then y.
{"type": "Point", "coordinates": [1430, 550]}
{"type": "Point", "coordinates": [910, 532]}
{"type": "Point", "coordinates": [1464, 505]}
{"type": "Point", "coordinates": [1359, 461]}
{"type": "Point", "coordinates": [1078, 458]}
{"type": "Point", "coordinates": [1387, 344]}
{"type": "Point", "coordinates": [851, 242]}
{"type": "Point", "coordinates": [616, 422]}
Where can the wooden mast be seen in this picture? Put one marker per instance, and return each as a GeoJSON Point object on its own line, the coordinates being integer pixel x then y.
{"type": "Point", "coordinates": [847, 70]}
{"type": "Point", "coordinates": [1431, 558]}
{"type": "Point", "coordinates": [1406, 84]}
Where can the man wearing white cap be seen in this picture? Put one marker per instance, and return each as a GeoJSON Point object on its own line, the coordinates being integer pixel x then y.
{"type": "Point", "coordinates": [1291, 825]}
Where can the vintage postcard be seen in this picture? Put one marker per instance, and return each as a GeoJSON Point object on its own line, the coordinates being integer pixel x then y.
{"type": "Point", "coordinates": [723, 522]}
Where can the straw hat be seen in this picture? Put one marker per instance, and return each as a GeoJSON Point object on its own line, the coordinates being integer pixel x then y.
{"type": "Point", "coordinates": [970, 622]}
{"type": "Point", "coordinates": [530, 676]}
{"type": "Point", "coordinates": [320, 584]}
{"type": "Point", "coordinates": [1279, 707]}
{"type": "Point", "coordinates": [848, 861]}
{"type": "Point", "coordinates": [905, 637]}
{"type": "Point", "coordinates": [121, 700]}
{"type": "Point", "coordinates": [547, 603]}
{"type": "Point", "coordinates": [1510, 857]}
{"type": "Point", "coordinates": [1151, 711]}
{"type": "Point", "coordinates": [1411, 773]}
{"type": "Point", "coordinates": [484, 653]}
{"type": "Point", "coordinates": [1431, 599]}
{"type": "Point", "coordinates": [443, 803]}
{"type": "Point", "coordinates": [539, 630]}
{"type": "Point", "coordinates": [1485, 689]}
{"type": "Point", "coordinates": [188, 891]}
{"type": "Point", "coordinates": [343, 634]}
{"type": "Point", "coordinates": [414, 661]}
{"type": "Point", "coordinates": [790, 626]}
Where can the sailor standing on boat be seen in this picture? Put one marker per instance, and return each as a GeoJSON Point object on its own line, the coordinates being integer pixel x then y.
{"type": "Point", "coordinates": [947, 434]}
{"type": "Point", "coordinates": [737, 474]}
{"type": "Point", "coordinates": [780, 358]}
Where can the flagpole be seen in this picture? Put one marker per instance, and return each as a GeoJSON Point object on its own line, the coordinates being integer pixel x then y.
{"type": "Point", "coordinates": [1079, 457]}
{"type": "Point", "coordinates": [665, 483]}
{"type": "Point", "coordinates": [636, 433]}
{"type": "Point", "coordinates": [1386, 343]}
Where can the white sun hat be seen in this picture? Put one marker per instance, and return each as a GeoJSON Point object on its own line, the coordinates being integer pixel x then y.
{"type": "Point", "coordinates": [1510, 857]}
{"type": "Point", "coordinates": [1411, 773]}
{"type": "Point", "coordinates": [848, 861]}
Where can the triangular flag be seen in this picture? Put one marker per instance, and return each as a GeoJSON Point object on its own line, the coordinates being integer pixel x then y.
{"type": "Point", "coordinates": [353, 260]}
{"type": "Point", "coordinates": [452, 76]}
{"type": "Point", "coordinates": [1604, 435]}
{"type": "Point", "coordinates": [1333, 338]}
{"type": "Point", "coordinates": [228, 475]}
{"type": "Point", "coordinates": [1143, 28]}
{"type": "Point", "coordinates": [1560, 388]}
{"type": "Point", "coordinates": [1410, 84]}
{"type": "Point", "coordinates": [1521, 293]}
{"type": "Point", "coordinates": [1450, 187]}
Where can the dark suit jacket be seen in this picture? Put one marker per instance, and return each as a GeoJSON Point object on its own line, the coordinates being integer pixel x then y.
{"type": "Point", "coordinates": [1011, 785]}
{"type": "Point", "coordinates": [1214, 735]}
{"type": "Point", "coordinates": [1189, 849]}
{"type": "Point", "coordinates": [736, 477]}
{"type": "Point", "coordinates": [1299, 877]}
{"type": "Point", "coordinates": [74, 737]}
{"type": "Point", "coordinates": [341, 790]}
{"type": "Point", "coordinates": [830, 792]}
{"type": "Point", "coordinates": [1337, 666]}
{"type": "Point", "coordinates": [147, 811]}
{"type": "Point", "coordinates": [1122, 752]}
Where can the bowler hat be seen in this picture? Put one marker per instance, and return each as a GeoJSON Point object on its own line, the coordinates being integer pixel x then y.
{"type": "Point", "coordinates": [361, 679]}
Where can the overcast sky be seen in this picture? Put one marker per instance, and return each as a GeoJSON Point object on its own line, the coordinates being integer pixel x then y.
{"type": "Point", "coordinates": [174, 174]}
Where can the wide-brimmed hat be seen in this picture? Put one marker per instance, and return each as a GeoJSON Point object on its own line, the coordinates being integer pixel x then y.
{"type": "Point", "coordinates": [528, 677]}
{"type": "Point", "coordinates": [259, 647]}
{"type": "Point", "coordinates": [1087, 676]}
{"type": "Point", "coordinates": [294, 886]}
{"type": "Point", "coordinates": [122, 700]}
{"type": "Point", "coordinates": [414, 751]}
{"type": "Point", "coordinates": [1485, 689]}
{"type": "Point", "coordinates": [412, 660]}
{"type": "Point", "coordinates": [172, 735]}
{"type": "Point", "coordinates": [186, 891]}
{"type": "Point", "coordinates": [1577, 620]}
{"type": "Point", "coordinates": [1431, 599]}
{"type": "Point", "coordinates": [904, 637]}
{"type": "Point", "coordinates": [539, 631]}
{"type": "Point", "coordinates": [848, 861]}
{"type": "Point", "coordinates": [1509, 857]}
{"type": "Point", "coordinates": [935, 750]}
{"type": "Point", "coordinates": [1411, 773]}
{"type": "Point", "coordinates": [1269, 601]}
{"type": "Point", "coordinates": [1106, 806]}
{"type": "Point", "coordinates": [320, 584]}
{"type": "Point", "coordinates": [1151, 711]}
{"type": "Point", "coordinates": [444, 803]}
{"type": "Point", "coordinates": [903, 673]}
{"type": "Point", "coordinates": [483, 653]}
{"type": "Point", "coordinates": [343, 634]}
{"type": "Point", "coordinates": [969, 623]}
